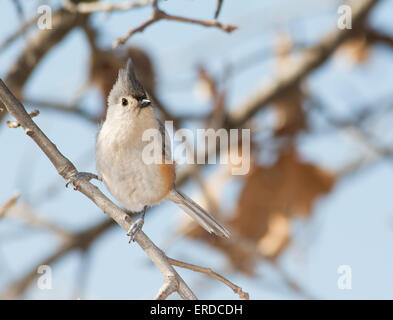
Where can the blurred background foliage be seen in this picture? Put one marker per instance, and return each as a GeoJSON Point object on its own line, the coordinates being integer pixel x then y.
{"type": "Point", "coordinates": [318, 101]}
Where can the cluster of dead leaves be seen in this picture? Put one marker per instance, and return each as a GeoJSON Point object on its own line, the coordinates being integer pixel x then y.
{"type": "Point", "coordinates": [271, 196]}
{"type": "Point", "coordinates": [290, 115]}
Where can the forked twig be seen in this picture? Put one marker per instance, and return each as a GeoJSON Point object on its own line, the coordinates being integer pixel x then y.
{"type": "Point", "coordinates": [236, 289]}
{"type": "Point", "coordinates": [67, 170]}
{"type": "Point", "coordinates": [158, 15]}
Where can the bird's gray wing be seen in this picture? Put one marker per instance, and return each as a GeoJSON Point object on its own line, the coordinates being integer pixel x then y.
{"type": "Point", "coordinates": [166, 142]}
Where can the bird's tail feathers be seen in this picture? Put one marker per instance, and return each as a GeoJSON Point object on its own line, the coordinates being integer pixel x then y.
{"type": "Point", "coordinates": [196, 212]}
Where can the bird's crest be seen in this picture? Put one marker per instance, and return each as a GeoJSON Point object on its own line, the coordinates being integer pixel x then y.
{"type": "Point", "coordinates": [126, 85]}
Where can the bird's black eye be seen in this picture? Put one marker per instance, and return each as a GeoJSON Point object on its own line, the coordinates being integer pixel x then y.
{"type": "Point", "coordinates": [124, 101]}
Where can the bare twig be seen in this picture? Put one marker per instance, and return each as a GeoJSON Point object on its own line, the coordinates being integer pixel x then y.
{"type": "Point", "coordinates": [97, 6]}
{"type": "Point", "coordinates": [168, 287]}
{"type": "Point", "coordinates": [21, 31]}
{"type": "Point", "coordinates": [215, 24]}
{"type": "Point", "coordinates": [9, 203]}
{"type": "Point", "coordinates": [291, 283]}
{"type": "Point", "coordinates": [33, 219]}
{"type": "Point", "coordinates": [19, 10]}
{"type": "Point", "coordinates": [142, 27]}
{"type": "Point", "coordinates": [312, 58]}
{"type": "Point", "coordinates": [158, 15]}
{"type": "Point", "coordinates": [18, 33]}
{"type": "Point", "coordinates": [79, 241]}
{"type": "Point", "coordinates": [67, 170]}
{"type": "Point", "coordinates": [236, 289]}
{"type": "Point", "coordinates": [72, 109]}
{"type": "Point", "coordinates": [62, 21]}
{"type": "Point", "coordinates": [373, 35]}
{"type": "Point", "coordinates": [218, 9]}
{"type": "Point", "coordinates": [82, 275]}
{"type": "Point", "coordinates": [16, 124]}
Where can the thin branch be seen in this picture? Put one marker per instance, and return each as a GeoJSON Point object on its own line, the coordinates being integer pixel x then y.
{"type": "Point", "coordinates": [92, 7]}
{"type": "Point", "coordinates": [169, 286]}
{"type": "Point", "coordinates": [218, 9]}
{"type": "Point", "coordinates": [236, 289]}
{"type": "Point", "coordinates": [213, 23]}
{"type": "Point", "coordinates": [72, 109]}
{"type": "Point", "coordinates": [356, 127]}
{"type": "Point", "coordinates": [158, 15]}
{"type": "Point", "coordinates": [373, 35]}
{"type": "Point", "coordinates": [67, 170]}
{"type": "Point", "coordinates": [291, 283]}
{"type": "Point", "coordinates": [142, 27]}
{"type": "Point", "coordinates": [76, 241]}
{"type": "Point", "coordinates": [312, 58]}
{"type": "Point", "coordinates": [16, 124]}
{"type": "Point", "coordinates": [33, 220]}
{"type": "Point", "coordinates": [20, 32]}
{"type": "Point", "coordinates": [63, 22]}
{"type": "Point", "coordinates": [252, 250]}
{"type": "Point", "coordinates": [82, 275]}
{"type": "Point", "coordinates": [19, 9]}
{"type": "Point", "coordinates": [8, 204]}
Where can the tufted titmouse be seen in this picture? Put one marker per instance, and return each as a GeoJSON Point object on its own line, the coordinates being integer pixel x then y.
{"type": "Point", "coordinates": [120, 164]}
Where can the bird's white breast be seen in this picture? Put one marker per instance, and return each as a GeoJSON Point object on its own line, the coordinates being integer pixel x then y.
{"type": "Point", "coordinates": [119, 162]}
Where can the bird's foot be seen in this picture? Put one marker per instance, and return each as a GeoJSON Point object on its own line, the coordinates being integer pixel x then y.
{"type": "Point", "coordinates": [87, 176]}
{"type": "Point", "coordinates": [135, 228]}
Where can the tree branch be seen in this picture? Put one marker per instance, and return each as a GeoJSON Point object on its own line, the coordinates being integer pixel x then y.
{"type": "Point", "coordinates": [8, 204]}
{"type": "Point", "coordinates": [16, 124]}
{"type": "Point", "coordinates": [71, 109]}
{"type": "Point", "coordinates": [96, 6]}
{"type": "Point", "coordinates": [18, 33]}
{"type": "Point", "coordinates": [76, 241]}
{"type": "Point", "coordinates": [312, 58]}
{"type": "Point", "coordinates": [218, 9]}
{"type": "Point", "coordinates": [63, 21]}
{"type": "Point", "coordinates": [373, 35]}
{"type": "Point", "coordinates": [236, 289]}
{"type": "Point", "coordinates": [169, 286]}
{"type": "Point", "coordinates": [161, 15]}
{"type": "Point", "coordinates": [67, 170]}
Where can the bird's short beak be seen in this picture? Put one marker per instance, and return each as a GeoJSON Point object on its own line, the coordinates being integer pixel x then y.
{"type": "Point", "coordinates": [144, 103]}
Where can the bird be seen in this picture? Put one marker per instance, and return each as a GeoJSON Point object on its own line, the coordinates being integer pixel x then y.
{"type": "Point", "coordinates": [135, 183]}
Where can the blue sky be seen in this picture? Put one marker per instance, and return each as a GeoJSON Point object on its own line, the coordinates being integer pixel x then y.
{"type": "Point", "coordinates": [353, 225]}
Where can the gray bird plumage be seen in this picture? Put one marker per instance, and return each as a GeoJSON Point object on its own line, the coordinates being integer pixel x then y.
{"type": "Point", "coordinates": [126, 84]}
{"type": "Point", "coordinates": [133, 180]}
